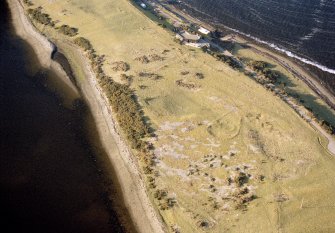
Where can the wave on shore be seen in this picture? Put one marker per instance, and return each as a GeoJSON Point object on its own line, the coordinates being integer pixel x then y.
{"type": "Point", "coordinates": [212, 10]}
{"type": "Point", "coordinates": [287, 52]}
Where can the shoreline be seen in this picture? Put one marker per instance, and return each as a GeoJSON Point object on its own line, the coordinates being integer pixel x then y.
{"type": "Point", "coordinates": [288, 63]}
{"type": "Point", "coordinates": [187, 8]}
{"type": "Point", "coordinates": [292, 66]}
{"type": "Point", "coordinates": [127, 174]}
{"type": "Point", "coordinates": [286, 140]}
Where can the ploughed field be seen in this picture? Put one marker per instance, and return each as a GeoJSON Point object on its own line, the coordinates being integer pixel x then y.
{"type": "Point", "coordinates": [229, 154]}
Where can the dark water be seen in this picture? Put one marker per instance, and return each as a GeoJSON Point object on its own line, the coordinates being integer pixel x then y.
{"type": "Point", "coordinates": [48, 179]}
{"type": "Point", "coordinates": [304, 29]}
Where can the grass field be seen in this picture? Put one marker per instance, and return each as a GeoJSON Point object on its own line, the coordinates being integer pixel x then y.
{"type": "Point", "coordinates": [221, 137]}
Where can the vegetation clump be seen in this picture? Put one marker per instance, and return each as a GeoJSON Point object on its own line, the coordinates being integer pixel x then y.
{"type": "Point", "coordinates": [144, 59]}
{"type": "Point", "coordinates": [67, 30]}
{"type": "Point", "coordinates": [155, 57]}
{"type": "Point", "coordinates": [267, 75]}
{"type": "Point", "coordinates": [232, 62]}
{"type": "Point", "coordinates": [160, 194]}
{"type": "Point", "coordinates": [149, 75]}
{"type": "Point", "coordinates": [281, 197]}
{"type": "Point", "coordinates": [241, 179]}
{"type": "Point", "coordinates": [165, 202]}
{"type": "Point", "coordinates": [40, 17]}
{"type": "Point", "coordinates": [123, 101]}
{"type": "Point", "coordinates": [242, 197]}
{"type": "Point", "coordinates": [83, 43]}
{"type": "Point", "coordinates": [128, 112]}
{"type": "Point", "coordinates": [28, 2]}
{"type": "Point", "coordinates": [120, 66]}
{"type": "Point", "coordinates": [126, 78]}
{"type": "Point", "coordinates": [327, 126]}
{"type": "Point", "coordinates": [199, 75]}
{"type": "Point", "coordinates": [182, 83]}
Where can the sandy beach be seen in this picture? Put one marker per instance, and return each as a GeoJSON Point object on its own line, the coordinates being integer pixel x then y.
{"type": "Point", "coordinates": [132, 187]}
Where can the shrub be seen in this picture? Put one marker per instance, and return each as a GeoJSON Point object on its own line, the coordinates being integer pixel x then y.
{"type": "Point", "coordinates": [28, 2]}
{"type": "Point", "coordinates": [126, 78]}
{"type": "Point", "coordinates": [199, 76]}
{"type": "Point", "coordinates": [40, 17]}
{"type": "Point", "coordinates": [120, 66]}
{"type": "Point", "coordinates": [263, 68]}
{"type": "Point", "coordinates": [259, 65]}
{"type": "Point", "coordinates": [128, 112]}
{"type": "Point", "coordinates": [83, 43]}
{"type": "Point", "coordinates": [155, 57]}
{"type": "Point", "coordinates": [241, 179]}
{"type": "Point", "coordinates": [160, 194]}
{"type": "Point", "coordinates": [67, 30]}
{"type": "Point", "coordinates": [327, 126]}
{"type": "Point", "coordinates": [144, 59]}
{"type": "Point", "coordinates": [123, 101]}
{"type": "Point", "coordinates": [149, 75]}
{"type": "Point", "coordinates": [229, 60]}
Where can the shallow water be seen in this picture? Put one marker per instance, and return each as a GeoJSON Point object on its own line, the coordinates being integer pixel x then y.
{"type": "Point", "coordinates": [305, 28]}
{"type": "Point", "coordinates": [49, 181]}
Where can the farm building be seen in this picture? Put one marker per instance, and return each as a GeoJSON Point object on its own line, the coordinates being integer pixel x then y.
{"type": "Point", "coordinates": [203, 31]}
{"type": "Point", "coordinates": [191, 39]}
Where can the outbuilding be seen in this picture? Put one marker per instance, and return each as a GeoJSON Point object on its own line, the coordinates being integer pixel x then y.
{"type": "Point", "coordinates": [188, 37]}
{"type": "Point", "coordinates": [203, 31]}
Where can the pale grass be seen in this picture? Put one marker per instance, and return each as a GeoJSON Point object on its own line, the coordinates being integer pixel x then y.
{"type": "Point", "coordinates": [217, 120]}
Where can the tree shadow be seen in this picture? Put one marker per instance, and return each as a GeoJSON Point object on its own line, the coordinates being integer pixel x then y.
{"type": "Point", "coordinates": [309, 101]}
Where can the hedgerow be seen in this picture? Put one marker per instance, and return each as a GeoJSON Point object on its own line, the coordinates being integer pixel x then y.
{"type": "Point", "coordinates": [40, 17]}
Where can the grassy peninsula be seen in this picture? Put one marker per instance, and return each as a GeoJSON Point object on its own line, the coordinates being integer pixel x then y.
{"type": "Point", "coordinates": [217, 151]}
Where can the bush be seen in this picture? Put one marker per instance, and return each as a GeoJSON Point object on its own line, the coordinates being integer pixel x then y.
{"type": "Point", "coordinates": [123, 101]}
{"type": "Point", "coordinates": [40, 17]}
{"type": "Point", "coordinates": [263, 68]}
{"type": "Point", "coordinates": [83, 43]}
{"type": "Point", "coordinates": [128, 112]}
{"type": "Point", "coordinates": [67, 30]}
{"type": "Point", "coordinates": [28, 2]}
{"type": "Point", "coordinates": [241, 179]}
{"type": "Point", "coordinates": [232, 62]}
{"type": "Point", "coordinates": [199, 76]}
{"type": "Point", "coordinates": [327, 126]}
{"type": "Point", "coordinates": [120, 66]}
{"type": "Point", "coordinates": [160, 194]}
{"type": "Point", "coordinates": [259, 65]}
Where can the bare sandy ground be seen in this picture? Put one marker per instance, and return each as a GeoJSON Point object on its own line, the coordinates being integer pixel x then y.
{"type": "Point", "coordinates": [132, 185]}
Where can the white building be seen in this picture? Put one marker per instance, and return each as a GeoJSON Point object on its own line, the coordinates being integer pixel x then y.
{"type": "Point", "coordinates": [143, 5]}
{"type": "Point", "coordinates": [203, 31]}
{"type": "Point", "coordinates": [192, 40]}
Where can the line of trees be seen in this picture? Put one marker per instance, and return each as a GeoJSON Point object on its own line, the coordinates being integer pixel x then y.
{"type": "Point", "coordinates": [267, 74]}
{"type": "Point", "coordinates": [121, 97]}
{"type": "Point", "coordinates": [41, 17]}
